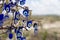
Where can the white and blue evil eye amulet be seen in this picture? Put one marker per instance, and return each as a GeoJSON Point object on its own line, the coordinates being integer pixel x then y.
{"type": "Point", "coordinates": [22, 2]}
{"type": "Point", "coordinates": [29, 24]}
{"type": "Point", "coordinates": [7, 7]}
{"type": "Point", "coordinates": [26, 12]}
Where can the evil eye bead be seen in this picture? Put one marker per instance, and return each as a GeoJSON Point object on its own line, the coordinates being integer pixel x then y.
{"type": "Point", "coordinates": [29, 24]}
{"type": "Point", "coordinates": [10, 35]}
{"type": "Point", "coordinates": [26, 12]}
{"type": "Point", "coordinates": [7, 7]}
{"type": "Point", "coordinates": [22, 2]}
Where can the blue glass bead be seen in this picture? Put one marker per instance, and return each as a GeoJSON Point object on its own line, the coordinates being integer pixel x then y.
{"type": "Point", "coordinates": [10, 35]}
{"type": "Point", "coordinates": [29, 24]}
{"type": "Point", "coordinates": [26, 12]}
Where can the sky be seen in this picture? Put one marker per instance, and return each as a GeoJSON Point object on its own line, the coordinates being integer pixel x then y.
{"type": "Point", "coordinates": [44, 7]}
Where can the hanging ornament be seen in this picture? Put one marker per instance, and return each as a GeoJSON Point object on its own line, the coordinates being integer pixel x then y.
{"type": "Point", "coordinates": [1, 20]}
{"type": "Point", "coordinates": [18, 34]}
{"type": "Point", "coordinates": [26, 12]}
{"type": "Point", "coordinates": [22, 2]}
{"type": "Point", "coordinates": [10, 35]}
{"type": "Point", "coordinates": [29, 24]}
{"type": "Point", "coordinates": [17, 15]}
{"type": "Point", "coordinates": [7, 7]}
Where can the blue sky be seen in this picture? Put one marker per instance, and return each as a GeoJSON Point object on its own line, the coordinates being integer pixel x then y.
{"type": "Point", "coordinates": [43, 7]}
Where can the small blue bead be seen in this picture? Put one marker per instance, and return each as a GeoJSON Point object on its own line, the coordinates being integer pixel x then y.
{"type": "Point", "coordinates": [7, 7]}
{"type": "Point", "coordinates": [1, 17]}
{"type": "Point", "coordinates": [10, 35]}
{"type": "Point", "coordinates": [17, 15]}
{"type": "Point", "coordinates": [22, 2]}
{"type": "Point", "coordinates": [23, 38]}
{"type": "Point", "coordinates": [29, 23]}
{"type": "Point", "coordinates": [26, 12]}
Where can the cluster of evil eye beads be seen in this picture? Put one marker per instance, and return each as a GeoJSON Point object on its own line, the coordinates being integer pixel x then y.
{"type": "Point", "coordinates": [18, 30]}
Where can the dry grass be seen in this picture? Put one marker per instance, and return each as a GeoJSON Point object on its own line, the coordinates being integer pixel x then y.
{"type": "Point", "coordinates": [42, 35]}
